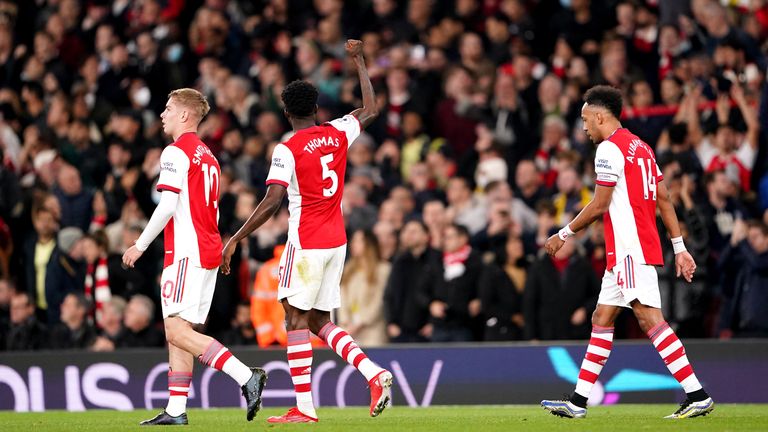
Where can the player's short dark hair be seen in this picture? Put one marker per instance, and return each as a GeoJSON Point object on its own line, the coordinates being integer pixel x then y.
{"type": "Point", "coordinates": [299, 98]}
{"type": "Point", "coordinates": [606, 97]}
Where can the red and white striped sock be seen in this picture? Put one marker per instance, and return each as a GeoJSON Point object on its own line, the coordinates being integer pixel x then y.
{"type": "Point", "coordinates": [346, 347]}
{"type": "Point", "coordinates": [218, 357]}
{"type": "Point", "coordinates": [300, 363]}
{"type": "Point", "coordinates": [600, 344]}
{"type": "Point", "coordinates": [672, 352]}
{"type": "Point", "coordinates": [178, 386]}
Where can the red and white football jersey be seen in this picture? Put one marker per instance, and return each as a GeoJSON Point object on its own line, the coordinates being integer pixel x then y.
{"type": "Point", "coordinates": [312, 164]}
{"type": "Point", "coordinates": [188, 168]}
{"type": "Point", "coordinates": [628, 164]}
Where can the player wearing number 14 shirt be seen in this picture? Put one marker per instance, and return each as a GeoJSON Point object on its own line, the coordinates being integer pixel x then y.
{"type": "Point", "coordinates": [629, 185]}
{"type": "Point", "coordinates": [310, 167]}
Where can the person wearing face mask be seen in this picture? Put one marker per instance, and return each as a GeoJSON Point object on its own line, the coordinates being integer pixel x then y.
{"type": "Point", "coordinates": [154, 71]}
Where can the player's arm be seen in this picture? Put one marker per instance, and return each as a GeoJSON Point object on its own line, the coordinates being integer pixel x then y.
{"type": "Point", "coordinates": [609, 165]}
{"type": "Point", "coordinates": [591, 212]}
{"type": "Point", "coordinates": [160, 217]}
{"type": "Point", "coordinates": [684, 263]}
{"type": "Point", "coordinates": [594, 209]}
{"type": "Point", "coordinates": [174, 167]}
{"type": "Point", "coordinates": [263, 212]}
{"type": "Point", "coordinates": [369, 111]}
{"type": "Point", "coordinates": [667, 210]}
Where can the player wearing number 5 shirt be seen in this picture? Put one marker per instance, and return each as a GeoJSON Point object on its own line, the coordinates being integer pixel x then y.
{"type": "Point", "coordinates": [629, 186]}
{"type": "Point", "coordinates": [310, 168]}
{"type": "Point", "coordinates": [188, 212]}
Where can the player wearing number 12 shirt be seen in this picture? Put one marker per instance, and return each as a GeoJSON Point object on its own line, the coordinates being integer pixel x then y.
{"type": "Point", "coordinates": [629, 185]}
{"type": "Point", "coordinates": [188, 212]}
{"type": "Point", "coordinates": [310, 167]}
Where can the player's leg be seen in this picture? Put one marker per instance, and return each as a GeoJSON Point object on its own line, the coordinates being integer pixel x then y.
{"type": "Point", "coordinates": [180, 364]}
{"type": "Point", "coordinates": [642, 291]}
{"type": "Point", "coordinates": [598, 351]}
{"type": "Point", "coordinates": [179, 361]}
{"type": "Point", "coordinates": [342, 343]}
{"type": "Point", "coordinates": [208, 350]}
{"type": "Point", "coordinates": [672, 352]}
{"type": "Point", "coordinates": [299, 353]}
{"type": "Point", "coordinates": [297, 289]}
{"type": "Point", "coordinates": [179, 378]}
{"type": "Point", "coordinates": [189, 305]}
{"type": "Point", "coordinates": [609, 305]}
{"type": "Point", "coordinates": [379, 379]}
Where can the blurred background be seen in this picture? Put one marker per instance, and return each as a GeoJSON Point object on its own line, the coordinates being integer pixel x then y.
{"type": "Point", "coordinates": [478, 156]}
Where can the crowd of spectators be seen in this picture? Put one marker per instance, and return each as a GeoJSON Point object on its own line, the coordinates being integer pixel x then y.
{"type": "Point", "coordinates": [477, 157]}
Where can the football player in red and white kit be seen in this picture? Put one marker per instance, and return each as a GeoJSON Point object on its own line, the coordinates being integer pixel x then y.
{"type": "Point", "coordinates": [188, 211]}
{"type": "Point", "coordinates": [310, 167]}
{"type": "Point", "coordinates": [629, 186]}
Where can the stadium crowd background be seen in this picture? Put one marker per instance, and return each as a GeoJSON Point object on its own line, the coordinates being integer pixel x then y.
{"type": "Point", "coordinates": [477, 157]}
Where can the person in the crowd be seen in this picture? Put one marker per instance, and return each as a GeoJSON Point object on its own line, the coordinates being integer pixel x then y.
{"type": "Point", "coordinates": [454, 303]}
{"type": "Point", "coordinates": [528, 183]}
{"type": "Point", "coordinates": [111, 325]}
{"type": "Point", "coordinates": [405, 306]}
{"type": "Point", "coordinates": [96, 285]}
{"type": "Point", "coordinates": [27, 332]}
{"type": "Point", "coordinates": [65, 272]}
{"type": "Point", "coordinates": [38, 250]}
{"type": "Point", "coordinates": [241, 331]}
{"type": "Point", "coordinates": [501, 293]}
{"type": "Point", "coordinates": [722, 209]}
{"type": "Point", "coordinates": [76, 202]}
{"type": "Point", "coordinates": [386, 237]}
{"type": "Point", "coordinates": [571, 196]}
{"type": "Point", "coordinates": [267, 315]}
{"type": "Point", "coordinates": [7, 291]}
{"type": "Point", "coordinates": [745, 261]}
{"type": "Point", "coordinates": [74, 330]}
{"type": "Point", "coordinates": [463, 207]}
{"type": "Point", "coordinates": [138, 325]}
{"type": "Point", "coordinates": [559, 296]}
{"type": "Point", "coordinates": [362, 291]}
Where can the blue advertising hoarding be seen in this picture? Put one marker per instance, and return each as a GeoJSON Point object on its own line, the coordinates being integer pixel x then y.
{"type": "Point", "coordinates": [733, 371]}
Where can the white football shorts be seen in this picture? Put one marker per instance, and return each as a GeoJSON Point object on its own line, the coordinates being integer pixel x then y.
{"type": "Point", "coordinates": [629, 281]}
{"type": "Point", "coordinates": [187, 291]}
{"type": "Point", "coordinates": [309, 278]}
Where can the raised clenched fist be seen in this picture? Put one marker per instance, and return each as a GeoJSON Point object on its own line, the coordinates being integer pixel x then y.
{"type": "Point", "coordinates": [354, 47]}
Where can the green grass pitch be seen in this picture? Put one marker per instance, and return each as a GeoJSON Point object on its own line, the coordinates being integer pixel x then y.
{"type": "Point", "coordinates": [726, 417]}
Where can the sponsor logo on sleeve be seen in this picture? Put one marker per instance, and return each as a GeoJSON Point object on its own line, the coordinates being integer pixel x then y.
{"type": "Point", "coordinates": [167, 166]}
{"type": "Point", "coordinates": [277, 162]}
{"type": "Point", "coordinates": [603, 164]}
